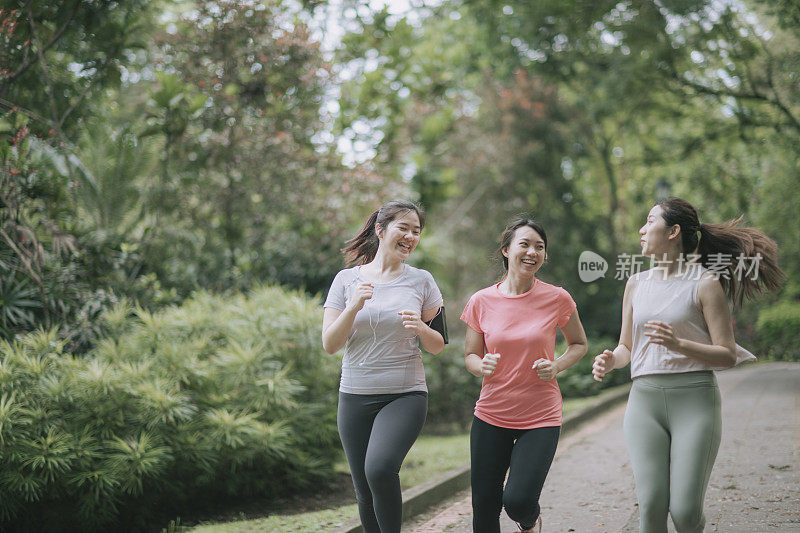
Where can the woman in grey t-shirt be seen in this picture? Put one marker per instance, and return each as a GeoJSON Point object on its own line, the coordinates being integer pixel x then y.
{"type": "Point", "coordinates": [377, 310]}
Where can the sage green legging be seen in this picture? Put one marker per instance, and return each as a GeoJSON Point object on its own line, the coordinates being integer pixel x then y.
{"type": "Point", "coordinates": [672, 431]}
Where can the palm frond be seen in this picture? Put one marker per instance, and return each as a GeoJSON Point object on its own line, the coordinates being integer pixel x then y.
{"type": "Point", "coordinates": [49, 456]}
{"type": "Point", "coordinates": [137, 459]}
{"type": "Point", "coordinates": [17, 301]}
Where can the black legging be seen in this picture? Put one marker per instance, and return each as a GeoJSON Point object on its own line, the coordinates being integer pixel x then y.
{"type": "Point", "coordinates": [377, 430]}
{"type": "Point", "coordinates": [528, 453]}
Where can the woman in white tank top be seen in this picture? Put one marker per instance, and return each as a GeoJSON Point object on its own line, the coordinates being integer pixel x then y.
{"type": "Point", "coordinates": [676, 329]}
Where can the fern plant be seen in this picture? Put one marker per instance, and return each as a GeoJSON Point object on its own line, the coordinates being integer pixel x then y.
{"type": "Point", "coordinates": [17, 304]}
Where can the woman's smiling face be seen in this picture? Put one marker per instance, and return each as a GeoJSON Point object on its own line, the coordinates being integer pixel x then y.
{"type": "Point", "coordinates": [526, 253]}
{"type": "Point", "coordinates": [401, 235]}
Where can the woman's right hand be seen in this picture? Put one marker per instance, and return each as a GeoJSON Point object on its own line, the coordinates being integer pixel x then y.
{"type": "Point", "coordinates": [489, 363]}
{"type": "Point", "coordinates": [603, 364]}
{"type": "Point", "coordinates": [362, 293]}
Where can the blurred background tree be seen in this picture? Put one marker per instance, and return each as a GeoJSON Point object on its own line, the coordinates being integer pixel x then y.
{"type": "Point", "coordinates": [581, 113]}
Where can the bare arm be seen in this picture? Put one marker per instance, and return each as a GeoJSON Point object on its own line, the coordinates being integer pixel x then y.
{"type": "Point", "coordinates": [430, 339]}
{"type": "Point", "coordinates": [337, 323]}
{"type": "Point", "coordinates": [336, 326]}
{"type": "Point", "coordinates": [477, 361]}
{"type": "Point", "coordinates": [714, 306]}
{"type": "Point", "coordinates": [621, 355]}
{"type": "Point", "coordinates": [576, 348]}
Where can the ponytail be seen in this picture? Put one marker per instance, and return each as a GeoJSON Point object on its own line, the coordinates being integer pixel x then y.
{"type": "Point", "coordinates": [727, 239]}
{"type": "Point", "coordinates": [713, 242]}
{"type": "Point", "coordinates": [362, 248]}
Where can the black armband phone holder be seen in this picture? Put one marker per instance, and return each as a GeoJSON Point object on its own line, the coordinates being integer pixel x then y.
{"type": "Point", "coordinates": [439, 323]}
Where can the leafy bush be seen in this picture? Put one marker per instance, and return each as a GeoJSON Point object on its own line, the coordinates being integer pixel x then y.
{"type": "Point", "coordinates": [452, 390]}
{"type": "Point", "coordinates": [219, 398]}
{"type": "Point", "coordinates": [577, 381]}
{"type": "Point", "coordinates": [779, 331]}
{"type": "Point", "coordinates": [18, 300]}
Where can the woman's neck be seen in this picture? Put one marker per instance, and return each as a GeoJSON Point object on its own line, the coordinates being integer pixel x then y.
{"type": "Point", "coordinates": [383, 268]}
{"type": "Point", "coordinates": [516, 285]}
{"type": "Point", "coordinates": [669, 264]}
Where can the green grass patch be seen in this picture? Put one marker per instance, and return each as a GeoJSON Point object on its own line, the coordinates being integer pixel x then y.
{"type": "Point", "coordinates": [575, 404]}
{"type": "Point", "coordinates": [312, 521]}
{"type": "Point", "coordinates": [432, 455]}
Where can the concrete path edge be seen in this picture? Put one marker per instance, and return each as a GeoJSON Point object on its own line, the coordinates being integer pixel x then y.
{"type": "Point", "coordinates": [421, 497]}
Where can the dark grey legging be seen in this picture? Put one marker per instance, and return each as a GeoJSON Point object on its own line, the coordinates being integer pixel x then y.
{"type": "Point", "coordinates": [377, 430]}
{"type": "Point", "coordinates": [526, 454]}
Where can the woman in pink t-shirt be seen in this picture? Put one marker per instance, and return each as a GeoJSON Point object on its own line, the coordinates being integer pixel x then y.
{"type": "Point", "coordinates": [510, 343]}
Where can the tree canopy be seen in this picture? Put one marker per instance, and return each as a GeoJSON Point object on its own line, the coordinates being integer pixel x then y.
{"type": "Point", "coordinates": [153, 148]}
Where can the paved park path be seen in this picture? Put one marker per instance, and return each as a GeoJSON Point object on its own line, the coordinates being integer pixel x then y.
{"type": "Point", "coordinates": [754, 488]}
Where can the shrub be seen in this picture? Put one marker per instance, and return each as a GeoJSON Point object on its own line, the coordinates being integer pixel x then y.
{"type": "Point", "coordinates": [452, 391]}
{"type": "Point", "coordinates": [577, 381]}
{"type": "Point", "coordinates": [217, 399]}
{"type": "Point", "coordinates": [778, 329]}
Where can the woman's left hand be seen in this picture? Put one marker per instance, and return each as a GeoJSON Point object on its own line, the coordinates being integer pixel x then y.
{"type": "Point", "coordinates": [412, 321]}
{"type": "Point", "coordinates": [546, 369]}
{"type": "Point", "coordinates": [663, 334]}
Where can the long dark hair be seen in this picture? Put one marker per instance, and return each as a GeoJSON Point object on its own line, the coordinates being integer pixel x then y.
{"type": "Point", "coordinates": [729, 239]}
{"type": "Point", "coordinates": [508, 235]}
{"type": "Point", "coordinates": [362, 248]}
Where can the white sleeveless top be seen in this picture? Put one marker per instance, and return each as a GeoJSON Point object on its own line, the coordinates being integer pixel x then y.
{"type": "Point", "coordinates": [674, 301]}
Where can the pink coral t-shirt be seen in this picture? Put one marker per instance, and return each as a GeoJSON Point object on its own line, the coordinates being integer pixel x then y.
{"type": "Point", "coordinates": [522, 329]}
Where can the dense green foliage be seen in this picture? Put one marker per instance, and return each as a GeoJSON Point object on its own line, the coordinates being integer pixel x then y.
{"type": "Point", "coordinates": [778, 328]}
{"type": "Point", "coordinates": [452, 391]}
{"type": "Point", "coordinates": [217, 399]}
{"type": "Point", "coordinates": [194, 156]}
{"type": "Point", "coordinates": [582, 114]}
{"type": "Point", "coordinates": [196, 141]}
{"type": "Point", "coordinates": [577, 381]}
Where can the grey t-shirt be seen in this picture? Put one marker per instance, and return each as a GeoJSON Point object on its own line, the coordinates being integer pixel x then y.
{"type": "Point", "coordinates": [381, 356]}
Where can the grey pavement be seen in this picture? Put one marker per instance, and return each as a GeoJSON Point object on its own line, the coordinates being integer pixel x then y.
{"type": "Point", "coordinates": [754, 487]}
